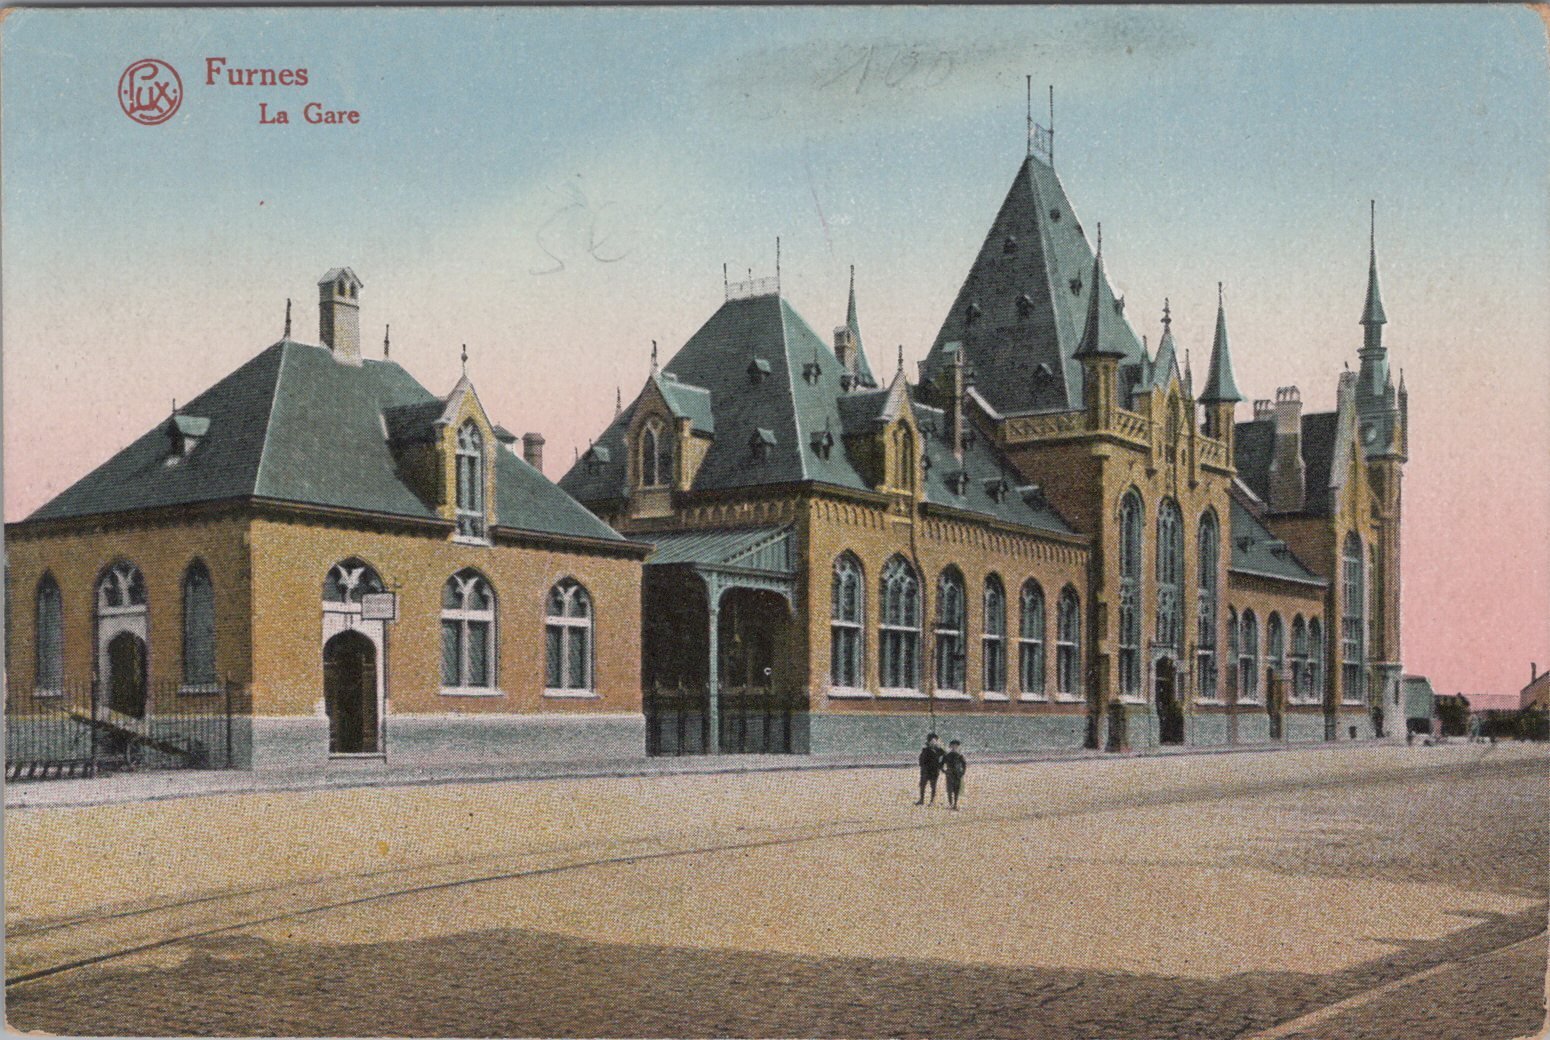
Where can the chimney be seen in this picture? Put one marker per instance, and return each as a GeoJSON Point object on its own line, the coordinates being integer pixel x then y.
{"type": "Point", "coordinates": [1263, 409]}
{"type": "Point", "coordinates": [1288, 475]}
{"type": "Point", "coordinates": [533, 450]}
{"type": "Point", "coordinates": [1533, 672]}
{"type": "Point", "coordinates": [339, 314]}
{"type": "Point", "coordinates": [955, 406]}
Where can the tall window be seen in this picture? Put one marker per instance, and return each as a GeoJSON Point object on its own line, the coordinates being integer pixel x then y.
{"type": "Point", "coordinates": [948, 631]}
{"type": "Point", "coordinates": [467, 632]}
{"type": "Point", "coordinates": [656, 456]}
{"type": "Point", "coordinates": [1300, 690]}
{"type": "Point", "coordinates": [1130, 521]}
{"type": "Point", "coordinates": [1207, 546]}
{"type": "Point", "coordinates": [994, 639]}
{"type": "Point", "coordinates": [198, 626]}
{"type": "Point", "coordinates": [1030, 641]}
{"type": "Point", "coordinates": [1232, 643]}
{"type": "Point", "coordinates": [470, 481]}
{"type": "Point", "coordinates": [49, 630]}
{"type": "Point", "coordinates": [899, 647]}
{"type": "Point", "coordinates": [568, 637]}
{"type": "Point", "coordinates": [1248, 658]}
{"type": "Point", "coordinates": [1316, 661]}
{"type": "Point", "coordinates": [1275, 645]}
{"type": "Point", "coordinates": [1068, 645]}
{"type": "Point", "coordinates": [1170, 575]}
{"type": "Point", "coordinates": [845, 624]}
{"type": "Point", "coordinates": [1353, 592]}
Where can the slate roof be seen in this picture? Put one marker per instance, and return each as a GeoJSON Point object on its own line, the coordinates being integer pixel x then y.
{"type": "Point", "coordinates": [293, 425]}
{"type": "Point", "coordinates": [720, 546]}
{"type": "Point", "coordinates": [1051, 264]}
{"type": "Point", "coordinates": [789, 406]}
{"type": "Point", "coordinates": [1254, 447]}
{"type": "Point", "coordinates": [1256, 551]}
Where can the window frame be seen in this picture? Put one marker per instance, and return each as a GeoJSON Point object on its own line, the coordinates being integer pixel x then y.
{"type": "Point", "coordinates": [1068, 647]}
{"type": "Point", "coordinates": [1132, 524]}
{"type": "Point", "coordinates": [898, 642]}
{"type": "Point", "coordinates": [1208, 661]}
{"type": "Point", "coordinates": [945, 638]}
{"type": "Point", "coordinates": [849, 631]}
{"type": "Point", "coordinates": [568, 627]}
{"type": "Point", "coordinates": [1032, 637]}
{"type": "Point", "coordinates": [1248, 657]}
{"type": "Point", "coordinates": [993, 677]}
{"type": "Point", "coordinates": [465, 618]}
{"type": "Point", "coordinates": [210, 681]}
{"type": "Point", "coordinates": [48, 655]}
{"type": "Point", "coordinates": [470, 491]}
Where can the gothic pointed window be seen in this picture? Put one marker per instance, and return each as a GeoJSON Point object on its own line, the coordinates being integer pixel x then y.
{"type": "Point", "coordinates": [198, 627]}
{"type": "Point", "coordinates": [1208, 546]}
{"type": "Point", "coordinates": [568, 638]}
{"type": "Point", "coordinates": [656, 456]}
{"type": "Point", "coordinates": [1353, 590]}
{"type": "Point", "coordinates": [1275, 646]}
{"type": "Point", "coordinates": [1030, 642]}
{"type": "Point", "coordinates": [49, 632]}
{"type": "Point", "coordinates": [846, 631]}
{"type": "Point", "coordinates": [470, 481]}
{"type": "Point", "coordinates": [994, 638]}
{"type": "Point", "coordinates": [1248, 657]}
{"type": "Point", "coordinates": [347, 581]}
{"type": "Point", "coordinates": [467, 633]}
{"type": "Point", "coordinates": [1068, 646]}
{"type": "Point", "coordinates": [948, 631]}
{"type": "Point", "coordinates": [1131, 521]}
{"type": "Point", "coordinates": [1298, 680]}
{"type": "Point", "coordinates": [1170, 575]}
{"type": "Point", "coordinates": [1315, 662]}
{"type": "Point", "coordinates": [899, 630]}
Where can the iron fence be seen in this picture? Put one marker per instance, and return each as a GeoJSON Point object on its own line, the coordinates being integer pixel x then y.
{"type": "Point", "coordinates": [752, 720]}
{"type": "Point", "coordinates": [78, 730]}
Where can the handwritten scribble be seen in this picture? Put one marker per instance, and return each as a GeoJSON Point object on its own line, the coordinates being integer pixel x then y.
{"type": "Point", "coordinates": [577, 229]}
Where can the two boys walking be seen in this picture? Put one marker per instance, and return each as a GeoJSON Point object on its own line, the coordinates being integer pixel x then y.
{"type": "Point", "coordinates": [934, 762]}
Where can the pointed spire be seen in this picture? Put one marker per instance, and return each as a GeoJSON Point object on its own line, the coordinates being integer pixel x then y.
{"type": "Point", "coordinates": [850, 308]}
{"type": "Point", "coordinates": [1189, 377]}
{"type": "Point", "coordinates": [1096, 338]}
{"type": "Point", "coordinates": [287, 317]}
{"type": "Point", "coordinates": [1221, 388]}
{"type": "Point", "coordinates": [1372, 311]}
{"type": "Point", "coordinates": [387, 346]}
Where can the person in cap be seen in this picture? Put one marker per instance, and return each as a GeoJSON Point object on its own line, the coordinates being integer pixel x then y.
{"type": "Point", "coordinates": [930, 767]}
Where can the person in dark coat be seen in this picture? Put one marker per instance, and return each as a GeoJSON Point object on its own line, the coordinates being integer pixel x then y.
{"type": "Point", "coordinates": [930, 767]}
{"type": "Point", "coordinates": [954, 765]}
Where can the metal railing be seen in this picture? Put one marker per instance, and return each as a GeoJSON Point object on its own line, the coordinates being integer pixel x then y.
{"type": "Point", "coordinates": [753, 720]}
{"type": "Point", "coordinates": [80, 730]}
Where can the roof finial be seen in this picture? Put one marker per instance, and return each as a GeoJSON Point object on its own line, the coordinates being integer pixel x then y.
{"type": "Point", "coordinates": [1100, 240]}
{"type": "Point", "coordinates": [174, 406]}
{"type": "Point", "coordinates": [1167, 315]}
{"type": "Point", "coordinates": [618, 401]}
{"type": "Point", "coordinates": [1372, 230]}
{"type": "Point", "coordinates": [287, 317]}
{"type": "Point", "coordinates": [387, 347]}
{"type": "Point", "coordinates": [726, 286]}
{"type": "Point", "coordinates": [777, 265]}
{"type": "Point", "coordinates": [1218, 295]}
{"type": "Point", "coordinates": [653, 357]}
{"type": "Point", "coordinates": [1052, 125]}
{"type": "Point", "coordinates": [1030, 116]}
{"type": "Point", "coordinates": [465, 359]}
{"type": "Point", "coordinates": [901, 357]}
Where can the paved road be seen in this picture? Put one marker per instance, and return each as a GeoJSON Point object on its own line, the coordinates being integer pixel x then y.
{"type": "Point", "coordinates": [1318, 893]}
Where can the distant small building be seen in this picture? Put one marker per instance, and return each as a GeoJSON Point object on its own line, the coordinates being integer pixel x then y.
{"type": "Point", "coordinates": [1537, 693]}
{"type": "Point", "coordinates": [1420, 703]}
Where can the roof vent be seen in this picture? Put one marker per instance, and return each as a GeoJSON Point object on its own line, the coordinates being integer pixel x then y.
{"type": "Point", "coordinates": [1033, 495]}
{"type": "Point", "coordinates": [760, 442]}
{"type": "Point", "coordinates": [1009, 246]}
{"type": "Point", "coordinates": [823, 443]}
{"type": "Point", "coordinates": [596, 458]}
{"type": "Point", "coordinates": [1042, 371]}
{"type": "Point", "coordinates": [958, 482]}
{"type": "Point", "coordinates": [758, 370]}
{"type": "Point", "coordinates": [1076, 286]}
{"type": "Point", "coordinates": [971, 312]}
{"type": "Point", "coordinates": [1024, 305]}
{"type": "Point", "coordinates": [1054, 214]}
{"type": "Point", "coordinates": [811, 371]}
{"type": "Point", "coordinates": [996, 488]}
{"type": "Point", "coordinates": [1119, 305]}
{"type": "Point", "coordinates": [184, 433]}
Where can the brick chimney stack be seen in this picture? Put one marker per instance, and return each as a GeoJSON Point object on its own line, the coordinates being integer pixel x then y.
{"type": "Point", "coordinates": [533, 450]}
{"type": "Point", "coordinates": [339, 315]}
{"type": "Point", "coordinates": [1288, 475]}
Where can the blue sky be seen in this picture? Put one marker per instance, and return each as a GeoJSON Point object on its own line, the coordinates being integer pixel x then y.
{"type": "Point", "coordinates": [643, 148]}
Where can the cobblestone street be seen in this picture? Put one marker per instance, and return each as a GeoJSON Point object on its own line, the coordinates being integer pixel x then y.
{"type": "Point", "coordinates": [1330, 893]}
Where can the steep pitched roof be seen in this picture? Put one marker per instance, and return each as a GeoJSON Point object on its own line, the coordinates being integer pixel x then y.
{"type": "Point", "coordinates": [293, 425]}
{"type": "Point", "coordinates": [863, 368]}
{"type": "Point", "coordinates": [1258, 552]}
{"type": "Point", "coordinates": [1254, 447]}
{"type": "Point", "coordinates": [792, 405]}
{"type": "Point", "coordinates": [1029, 292]}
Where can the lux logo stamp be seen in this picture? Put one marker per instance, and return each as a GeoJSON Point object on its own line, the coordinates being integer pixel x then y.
{"type": "Point", "coordinates": [150, 91]}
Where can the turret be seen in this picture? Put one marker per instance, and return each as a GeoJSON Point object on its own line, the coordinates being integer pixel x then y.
{"type": "Point", "coordinates": [1221, 392]}
{"type": "Point", "coordinates": [1098, 351]}
{"type": "Point", "coordinates": [1374, 384]}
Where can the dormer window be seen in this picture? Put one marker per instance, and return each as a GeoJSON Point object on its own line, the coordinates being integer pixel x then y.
{"type": "Point", "coordinates": [823, 443]}
{"type": "Point", "coordinates": [996, 488]}
{"type": "Point", "coordinates": [1024, 305]}
{"type": "Point", "coordinates": [758, 370]}
{"type": "Point", "coordinates": [596, 458]}
{"type": "Point", "coordinates": [185, 432]}
{"type": "Point", "coordinates": [1009, 246]}
{"type": "Point", "coordinates": [811, 371]}
{"type": "Point", "coordinates": [958, 482]}
{"type": "Point", "coordinates": [971, 313]}
{"type": "Point", "coordinates": [470, 481]}
{"type": "Point", "coordinates": [656, 456]}
{"type": "Point", "coordinates": [760, 442]}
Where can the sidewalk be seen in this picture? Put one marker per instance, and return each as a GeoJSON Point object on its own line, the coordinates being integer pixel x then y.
{"type": "Point", "coordinates": [123, 788]}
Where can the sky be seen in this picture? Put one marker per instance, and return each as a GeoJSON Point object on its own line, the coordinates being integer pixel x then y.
{"type": "Point", "coordinates": [556, 188]}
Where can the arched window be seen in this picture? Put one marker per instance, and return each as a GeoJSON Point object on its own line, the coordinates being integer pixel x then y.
{"type": "Point", "coordinates": [1352, 620]}
{"type": "Point", "coordinates": [846, 621]}
{"type": "Point", "coordinates": [899, 645]}
{"type": "Point", "coordinates": [122, 588]}
{"type": "Point", "coordinates": [467, 632]}
{"type": "Point", "coordinates": [1131, 519]}
{"type": "Point", "coordinates": [656, 456]}
{"type": "Point", "coordinates": [568, 637]}
{"type": "Point", "coordinates": [470, 481]}
{"type": "Point", "coordinates": [1170, 576]}
{"type": "Point", "coordinates": [1248, 657]}
{"type": "Point", "coordinates": [1208, 546]}
{"type": "Point", "coordinates": [1299, 677]}
{"type": "Point", "coordinates": [994, 638]}
{"type": "Point", "coordinates": [49, 631]}
{"type": "Point", "coordinates": [1275, 645]}
{"type": "Point", "coordinates": [348, 580]}
{"type": "Point", "coordinates": [1068, 645]}
{"type": "Point", "coordinates": [198, 626]}
{"type": "Point", "coordinates": [1315, 661]}
{"type": "Point", "coordinates": [1232, 640]}
{"type": "Point", "coordinates": [1030, 642]}
{"type": "Point", "coordinates": [903, 458]}
{"type": "Point", "coordinates": [948, 631]}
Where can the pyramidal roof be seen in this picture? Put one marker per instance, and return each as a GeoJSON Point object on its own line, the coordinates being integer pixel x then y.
{"type": "Point", "coordinates": [1026, 302]}
{"type": "Point", "coordinates": [1221, 387]}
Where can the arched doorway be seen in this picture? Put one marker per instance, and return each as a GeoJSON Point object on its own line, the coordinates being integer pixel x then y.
{"type": "Point", "coordinates": [1170, 712]}
{"type": "Point", "coordinates": [350, 694]}
{"type": "Point", "coordinates": [126, 675]}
